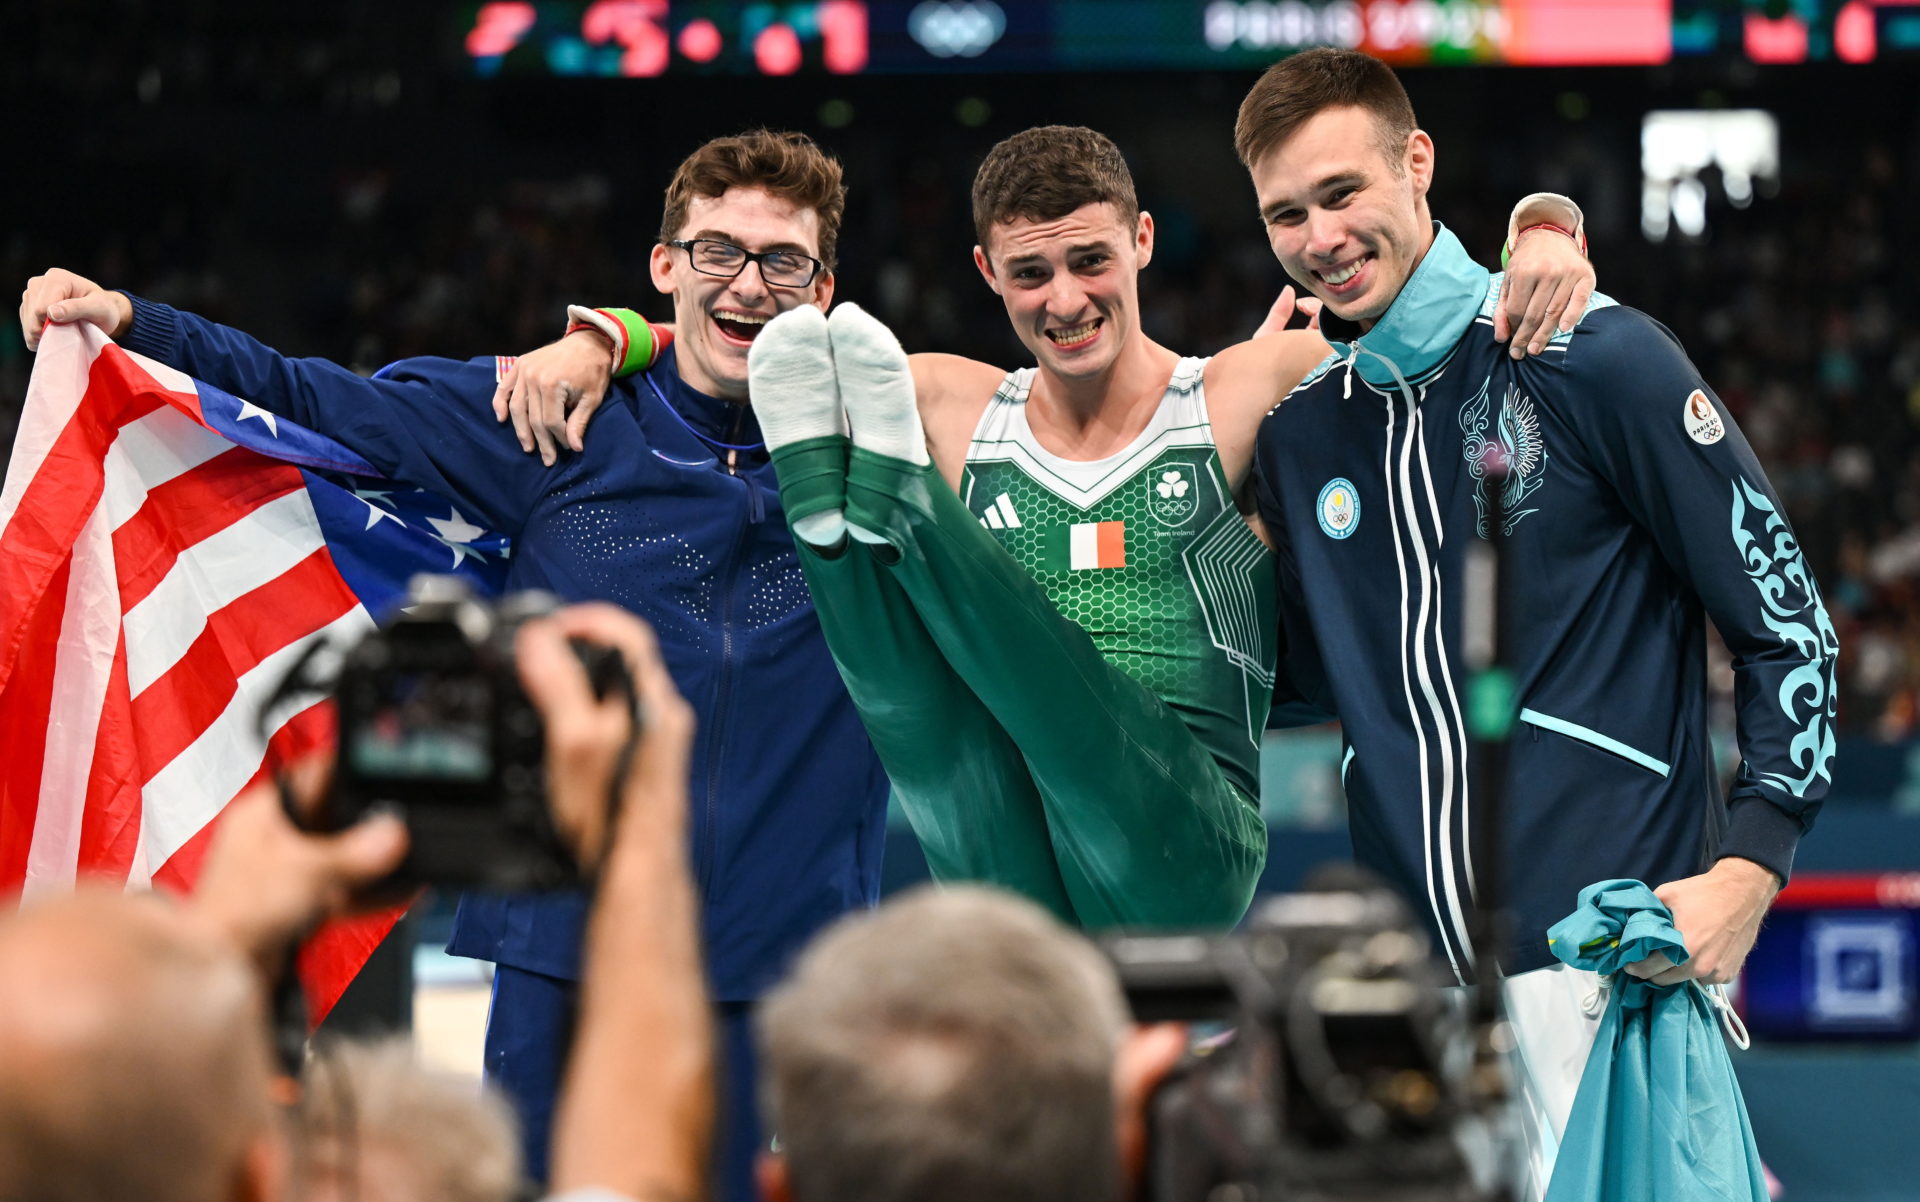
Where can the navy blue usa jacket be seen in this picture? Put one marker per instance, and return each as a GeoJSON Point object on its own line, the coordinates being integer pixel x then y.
{"type": "Point", "coordinates": [1637, 512]}
{"type": "Point", "coordinates": [789, 801]}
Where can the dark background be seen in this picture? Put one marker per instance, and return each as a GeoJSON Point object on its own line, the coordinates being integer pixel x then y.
{"type": "Point", "coordinates": [334, 179]}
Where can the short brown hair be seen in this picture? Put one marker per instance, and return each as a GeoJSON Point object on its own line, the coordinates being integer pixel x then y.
{"type": "Point", "coordinates": [953, 1045]}
{"type": "Point", "coordinates": [788, 165]}
{"type": "Point", "coordinates": [1046, 172]}
{"type": "Point", "coordinates": [1296, 89]}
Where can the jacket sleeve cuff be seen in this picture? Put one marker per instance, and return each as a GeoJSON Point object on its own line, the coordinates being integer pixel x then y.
{"type": "Point", "coordinates": [154, 331]}
{"type": "Point", "coordinates": [1764, 833]}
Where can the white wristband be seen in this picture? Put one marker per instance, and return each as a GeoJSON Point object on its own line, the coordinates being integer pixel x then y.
{"type": "Point", "coordinates": [1579, 218]}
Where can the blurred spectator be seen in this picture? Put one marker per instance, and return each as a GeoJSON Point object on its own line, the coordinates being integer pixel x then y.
{"type": "Point", "coordinates": [955, 1045]}
{"type": "Point", "coordinates": [376, 1125]}
{"type": "Point", "coordinates": [136, 1059]}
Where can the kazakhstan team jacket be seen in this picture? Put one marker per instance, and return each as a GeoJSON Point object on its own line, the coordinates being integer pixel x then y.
{"type": "Point", "coordinates": [1636, 511]}
{"type": "Point", "coordinates": [788, 800]}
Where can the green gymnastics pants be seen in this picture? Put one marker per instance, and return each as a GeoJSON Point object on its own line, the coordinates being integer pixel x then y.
{"type": "Point", "coordinates": [1020, 756]}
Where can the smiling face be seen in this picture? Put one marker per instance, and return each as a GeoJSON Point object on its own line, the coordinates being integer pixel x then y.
{"type": "Point", "coordinates": [1071, 285]}
{"type": "Point", "coordinates": [1347, 222]}
{"type": "Point", "coordinates": [716, 319]}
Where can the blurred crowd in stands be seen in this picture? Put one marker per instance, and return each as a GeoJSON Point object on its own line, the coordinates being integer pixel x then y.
{"type": "Point", "coordinates": [369, 247]}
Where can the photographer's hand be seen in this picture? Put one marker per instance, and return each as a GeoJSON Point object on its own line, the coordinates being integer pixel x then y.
{"type": "Point", "coordinates": [1147, 1055]}
{"type": "Point", "coordinates": [636, 1112]}
{"type": "Point", "coordinates": [265, 883]}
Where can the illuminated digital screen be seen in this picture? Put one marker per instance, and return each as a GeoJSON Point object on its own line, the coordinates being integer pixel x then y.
{"type": "Point", "coordinates": [645, 38]}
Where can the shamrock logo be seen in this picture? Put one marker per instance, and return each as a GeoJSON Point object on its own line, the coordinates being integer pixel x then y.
{"type": "Point", "coordinates": [1170, 502]}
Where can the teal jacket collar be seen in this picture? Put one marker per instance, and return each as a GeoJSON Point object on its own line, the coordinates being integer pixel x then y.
{"type": "Point", "coordinates": [1419, 330]}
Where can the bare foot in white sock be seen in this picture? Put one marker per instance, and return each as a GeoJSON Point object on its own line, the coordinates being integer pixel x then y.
{"type": "Point", "coordinates": [876, 386]}
{"type": "Point", "coordinates": [790, 378]}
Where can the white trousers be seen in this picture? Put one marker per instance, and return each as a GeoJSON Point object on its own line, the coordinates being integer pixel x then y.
{"type": "Point", "coordinates": [1554, 1014]}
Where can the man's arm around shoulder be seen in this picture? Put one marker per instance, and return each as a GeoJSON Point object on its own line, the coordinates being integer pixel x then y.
{"type": "Point", "coordinates": [1246, 382]}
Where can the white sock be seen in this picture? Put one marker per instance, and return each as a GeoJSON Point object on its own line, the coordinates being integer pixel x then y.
{"type": "Point", "coordinates": [790, 378]}
{"type": "Point", "coordinates": [822, 529]}
{"type": "Point", "coordinates": [875, 385]}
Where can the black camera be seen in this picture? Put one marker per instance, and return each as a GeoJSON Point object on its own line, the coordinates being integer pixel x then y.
{"type": "Point", "coordinates": [1345, 1069]}
{"type": "Point", "coordinates": [435, 726]}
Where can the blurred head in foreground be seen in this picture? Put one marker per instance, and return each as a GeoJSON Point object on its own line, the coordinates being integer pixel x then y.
{"type": "Point", "coordinates": [376, 1125]}
{"type": "Point", "coordinates": [954, 1044]}
{"type": "Point", "coordinates": [136, 1058]}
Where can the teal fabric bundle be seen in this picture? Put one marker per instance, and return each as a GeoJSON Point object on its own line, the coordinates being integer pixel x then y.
{"type": "Point", "coordinates": [1658, 1116]}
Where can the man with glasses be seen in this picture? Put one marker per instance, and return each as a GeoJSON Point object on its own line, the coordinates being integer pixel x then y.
{"type": "Point", "coordinates": [675, 515]}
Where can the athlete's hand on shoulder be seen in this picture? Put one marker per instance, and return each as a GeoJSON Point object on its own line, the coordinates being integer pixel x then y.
{"type": "Point", "coordinates": [61, 297]}
{"type": "Point", "coordinates": [1548, 284]}
{"type": "Point", "coordinates": [1285, 307]}
{"type": "Point", "coordinates": [551, 393]}
{"type": "Point", "coordinates": [1718, 915]}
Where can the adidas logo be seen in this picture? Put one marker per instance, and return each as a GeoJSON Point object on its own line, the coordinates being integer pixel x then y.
{"type": "Point", "coordinates": [1000, 515]}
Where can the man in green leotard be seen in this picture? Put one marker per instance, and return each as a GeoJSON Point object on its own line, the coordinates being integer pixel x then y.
{"type": "Point", "coordinates": [1054, 617]}
{"type": "Point", "coordinates": [1040, 587]}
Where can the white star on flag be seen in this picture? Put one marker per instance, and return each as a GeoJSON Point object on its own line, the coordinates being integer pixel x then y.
{"type": "Point", "coordinates": [374, 512]}
{"type": "Point", "coordinates": [456, 531]}
{"type": "Point", "coordinates": [249, 409]}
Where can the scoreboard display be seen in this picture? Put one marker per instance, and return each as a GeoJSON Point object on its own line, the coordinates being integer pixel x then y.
{"type": "Point", "coordinates": [647, 38]}
{"type": "Point", "coordinates": [1838, 958]}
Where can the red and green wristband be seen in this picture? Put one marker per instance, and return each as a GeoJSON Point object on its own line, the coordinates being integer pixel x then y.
{"type": "Point", "coordinates": [636, 342]}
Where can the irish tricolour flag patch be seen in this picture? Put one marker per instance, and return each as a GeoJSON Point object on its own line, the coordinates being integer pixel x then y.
{"type": "Point", "coordinates": [1086, 545]}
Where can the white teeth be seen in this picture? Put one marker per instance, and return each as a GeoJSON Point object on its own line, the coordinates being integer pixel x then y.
{"type": "Point", "coordinates": [1344, 274]}
{"type": "Point", "coordinates": [743, 319]}
{"type": "Point", "coordinates": [1074, 334]}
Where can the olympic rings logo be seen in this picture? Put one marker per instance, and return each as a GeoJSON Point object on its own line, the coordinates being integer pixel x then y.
{"type": "Point", "coordinates": [957, 30]}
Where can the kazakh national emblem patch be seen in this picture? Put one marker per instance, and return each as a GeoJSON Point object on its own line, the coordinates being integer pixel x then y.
{"type": "Point", "coordinates": [1512, 444]}
{"type": "Point", "coordinates": [1339, 507]}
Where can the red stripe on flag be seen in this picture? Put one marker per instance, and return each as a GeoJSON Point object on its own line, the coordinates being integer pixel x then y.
{"type": "Point", "coordinates": [312, 729]}
{"type": "Point", "coordinates": [180, 512]}
{"type": "Point", "coordinates": [327, 962]}
{"type": "Point", "coordinates": [110, 820]}
{"type": "Point", "coordinates": [25, 703]}
{"type": "Point", "coordinates": [172, 712]}
{"type": "Point", "coordinates": [1111, 537]}
{"type": "Point", "coordinates": [137, 380]}
{"type": "Point", "coordinates": [330, 960]}
{"type": "Point", "coordinates": [59, 500]}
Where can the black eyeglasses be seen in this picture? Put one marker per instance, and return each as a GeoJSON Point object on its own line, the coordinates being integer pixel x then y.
{"type": "Point", "coordinates": [782, 268]}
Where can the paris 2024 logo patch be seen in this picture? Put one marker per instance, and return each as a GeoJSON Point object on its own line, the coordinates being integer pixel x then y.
{"type": "Point", "coordinates": [1702, 420]}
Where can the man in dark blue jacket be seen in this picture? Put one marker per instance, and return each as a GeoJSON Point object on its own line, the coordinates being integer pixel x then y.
{"type": "Point", "coordinates": [1634, 510]}
{"type": "Point", "coordinates": [671, 511]}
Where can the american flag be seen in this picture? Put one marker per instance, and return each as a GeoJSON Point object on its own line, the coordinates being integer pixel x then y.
{"type": "Point", "coordinates": [167, 551]}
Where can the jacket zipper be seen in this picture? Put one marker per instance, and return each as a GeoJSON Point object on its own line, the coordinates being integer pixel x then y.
{"type": "Point", "coordinates": [723, 689]}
